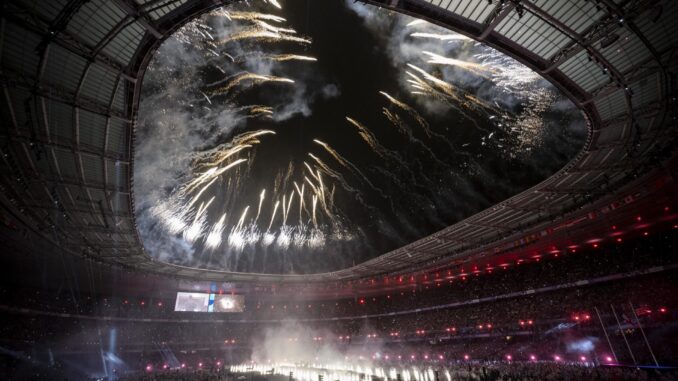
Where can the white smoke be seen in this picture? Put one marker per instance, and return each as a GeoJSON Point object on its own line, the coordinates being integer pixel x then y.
{"type": "Point", "coordinates": [584, 345]}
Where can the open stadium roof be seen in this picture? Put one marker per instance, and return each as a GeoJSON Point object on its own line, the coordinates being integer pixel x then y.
{"type": "Point", "coordinates": [71, 80]}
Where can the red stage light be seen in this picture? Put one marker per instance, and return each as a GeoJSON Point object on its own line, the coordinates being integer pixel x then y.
{"type": "Point", "coordinates": [533, 357]}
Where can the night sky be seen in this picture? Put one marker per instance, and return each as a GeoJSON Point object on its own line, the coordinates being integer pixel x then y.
{"type": "Point", "coordinates": [499, 130]}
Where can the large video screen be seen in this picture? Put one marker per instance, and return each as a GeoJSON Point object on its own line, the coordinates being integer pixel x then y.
{"type": "Point", "coordinates": [192, 302]}
{"type": "Point", "coordinates": [229, 303]}
{"type": "Point", "coordinates": [203, 302]}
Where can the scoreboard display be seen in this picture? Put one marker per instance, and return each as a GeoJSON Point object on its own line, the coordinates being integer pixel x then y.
{"type": "Point", "coordinates": [204, 302]}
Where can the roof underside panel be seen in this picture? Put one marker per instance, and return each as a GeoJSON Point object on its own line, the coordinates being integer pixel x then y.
{"type": "Point", "coordinates": [95, 20]}
{"type": "Point", "coordinates": [99, 84]}
{"type": "Point", "coordinates": [584, 71]}
{"type": "Point", "coordinates": [64, 68]}
{"type": "Point", "coordinates": [124, 44]}
{"type": "Point", "coordinates": [18, 50]}
{"type": "Point", "coordinates": [533, 34]}
{"type": "Point", "coordinates": [578, 16]}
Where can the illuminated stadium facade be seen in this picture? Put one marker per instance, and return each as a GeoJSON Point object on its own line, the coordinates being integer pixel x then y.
{"type": "Point", "coordinates": [72, 73]}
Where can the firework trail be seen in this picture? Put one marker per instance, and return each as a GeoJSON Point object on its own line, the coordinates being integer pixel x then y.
{"type": "Point", "coordinates": [288, 175]}
{"type": "Point", "coordinates": [397, 122]}
{"type": "Point", "coordinates": [371, 140]}
{"type": "Point", "coordinates": [210, 175]}
{"type": "Point", "coordinates": [416, 22]}
{"type": "Point", "coordinates": [472, 67]}
{"type": "Point", "coordinates": [275, 3]}
{"type": "Point", "coordinates": [311, 171]}
{"type": "Point", "coordinates": [196, 229]}
{"type": "Point", "coordinates": [267, 239]}
{"type": "Point", "coordinates": [264, 32]}
{"type": "Point", "coordinates": [237, 239]}
{"type": "Point", "coordinates": [246, 16]}
{"type": "Point", "coordinates": [451, 98]}
{"type": "Point", "coordinates": [332, 173]}
{"type": "Point", "coordinates": [172, 215]}
{"type": "Point", "coordinates": [319, 190]}
{"type": "Point", "coordinates": [261, 201]}
{"type": "Point", "coordinates": [284, 237]}
{"type": "Point", "coordinates": [450, 90]}
{"type": "Point", "coordinates": [221, 154]}
{"type": "Point", "coordinates": [332, 152]}
{"type": "Point", "coordinates": [275, 57]}
{"type": "Point", "coordinates": [315, 204]}
{"type": "Point", "coordinates": [441, 37]}
{"type": "Point", "coordinates": [289, 57]}
{"type": "Point", "coordinates": [266, 26]}
{"type": "Point", "coordinates": [287, 210]}
{"type": "Point", "coordinates": [414, 113]}
{"type": "Point", "coordinates": [405, 130]}
{"type": "Point", "coordinates": [300, 192]}
{"type": "Point", "coordinates": [284, 209]}
{"type": "Point", "coordinates": [313, 187]}
{"type": "Point", "coordinates": [348, 165]}
{"type": "Point", "coordinates": [206, 97]}
{"type": "Point", "coordinates": [196, 197]}
{"type": "Point", "coordinates": [216, 156]}
{"type": "Point", "coordinates": [275, 209]}
{"type": "Point", "coordinates": [257, 110]}
{"type": "Point", "coordinates": [252, 78]}
{"type": "Point", "coordinates": [213, 239]}
{"type": "Point", "coordinates": [242, 217]}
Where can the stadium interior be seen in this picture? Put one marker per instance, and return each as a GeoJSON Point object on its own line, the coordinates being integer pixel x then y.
{"type": "Point", "coordinates": [339, 190]}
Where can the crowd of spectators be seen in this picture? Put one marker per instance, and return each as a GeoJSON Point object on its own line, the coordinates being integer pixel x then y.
{"type": "Point", "coordinates": [544, 271]}
{"type": "Point", "coordinates": [477, 371]}
{"type": "Point", "coordinates": [482, 316]}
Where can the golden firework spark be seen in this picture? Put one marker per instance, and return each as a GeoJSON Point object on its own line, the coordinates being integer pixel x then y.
{"type": "Point", "coordinates": [315, 204]}
{"type": "Point", "coordinates": [241, 221]}
{"type": "Point", "coordinates": [214, 238]}
{"type": "Point", "coordinates": [441, 37]}
{"type": "Point", "coordinates": [414, 113]}
{"type": "Point", "coordinates": [250, 16]}
{"type": "Point", "coordinates": [368, 137]}
{"type": "Point", "coordinates": [472, 67]}
{"type": "Point", "coordinates": [250, 78]}
{"type": "Point", "coordinates": [275, 209]}
{"type": "Point", "coordinates": [261, 201]}
{"type": "Point", "coordinates": [289, 205]}
{"type": "Point", "coordinates": [276, 57]}
{"type": "Point", "coordinates": [311, 171]}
